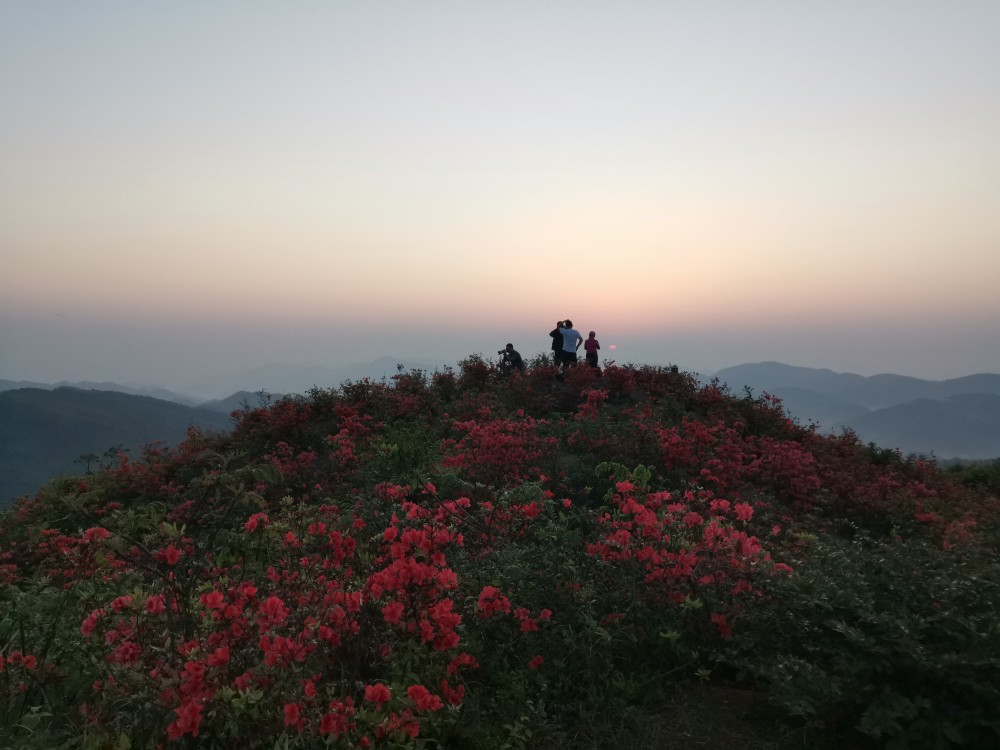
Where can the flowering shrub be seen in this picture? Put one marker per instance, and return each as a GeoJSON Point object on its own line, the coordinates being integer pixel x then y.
{"type": "Point", "coordinates": [497, 451]}
{"type": "Point", "coordinates": [465, 560]}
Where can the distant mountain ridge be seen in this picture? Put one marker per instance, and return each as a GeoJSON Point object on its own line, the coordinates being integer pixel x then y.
{"type": "Point", "coordinates": [872, 391]}
{"type": "Point", "coordinates": [45, 428]}
{"type": "Point", "coordinates": [953, 418]}
{"type": "Point", "coordinates": [273, 378]}
{"type": "Point", "coordinates": [963, 426]}
{"type": "Point", "coordinates": [240, 400]}
{"type": "Point", "coordinates": [280, 378]}
{"type": "Point", "coordinates": [89, 385]}
{"type": "Point", "coordinates": [44, 431]}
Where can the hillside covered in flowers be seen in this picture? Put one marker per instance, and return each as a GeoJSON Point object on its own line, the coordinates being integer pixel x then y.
{"type": "Point", "coordinates": [469, 560]}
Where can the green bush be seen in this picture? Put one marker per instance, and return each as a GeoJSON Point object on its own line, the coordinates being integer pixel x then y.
{"type": "Point", "coordinates": [899, 639]}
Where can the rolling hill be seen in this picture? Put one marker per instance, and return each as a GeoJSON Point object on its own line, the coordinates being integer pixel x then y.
{"type": "Point", "coordinates": [966, 426]}
{"type": "Point", "coordinates": [954, 418]}
{"type": "Point", "coordinates": [602, 560]}
{"type": "Point", "coordinates": [43, 432]}
{"type": "Point", "coordinates": [285, 378]}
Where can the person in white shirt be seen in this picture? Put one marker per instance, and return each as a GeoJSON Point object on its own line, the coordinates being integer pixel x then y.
{"type": "Point", "coordinates": [571, 342]}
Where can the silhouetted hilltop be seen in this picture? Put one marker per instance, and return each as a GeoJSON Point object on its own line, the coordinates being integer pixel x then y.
{"type": "Point", "coordinates": [239, 401]}
{"type": "Point", "coordinates": [770, 375]}
{"type": "Point", "coordinates": [954, 418]}
{"type": "Point", "coordinates": [967, 426]}
{"type": "Point", "coordinates": [983, 382]}
{"type": "Point", "coordinates": [446, 549]}
{"type": "Point", "coordinates": [879, 391]}
{"type": "Point", "coordinates": [43, 432]}
{"type": "Point", "coordinates": [44, 429]}
{"type": "Point", "coordinates": [282, 378]}
{"type": "Point", "coordinates": [89, 385]}
{"type": "Point", "coordinates": [10, 385]}
{"type": "Point", "coordinates": [872, 392]}
{"type": "Point", "coordinates": [821, 408]}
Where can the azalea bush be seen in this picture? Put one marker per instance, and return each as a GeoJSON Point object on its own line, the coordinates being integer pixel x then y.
{"type": "Point", "coordinates": [460, 559]}
{"type": "Point", "coordinates": [900, 638]}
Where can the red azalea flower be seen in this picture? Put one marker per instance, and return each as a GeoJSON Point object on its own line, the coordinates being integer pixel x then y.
{"type": "Point", "coordinates": [219, 657]}
{"type": "Point", "coordinates": [377, 693]}
{"type": "Point", "coordinates": [423, 698]}
{"type": "Point", "coordinates": [332, 724]}
{"type": "Point", "coordinates": [169, 554]}
{"type": "Point", "coordinates": [392, 612]}
{"type": "Point", "coordinates": [273, 610]}
{"type": "Point", "coordinates": [212, 600]}
{"type": "Point", "coordinates": [462, 660]}
{"type": "Point", "coordinates": [453, 695]}
{"type": "Point", "coordinates": [95, 533]}
{"type": "Point", "coordinates": [255, 521]}
{"type": "Point", "coordinates": [492, 601]}
{"type": "Point", "coordinates": [724, 630]}
{"type": "Point", "coordinates": [187, 722]}
{"type": "Point", "coordinates": [90, 622]}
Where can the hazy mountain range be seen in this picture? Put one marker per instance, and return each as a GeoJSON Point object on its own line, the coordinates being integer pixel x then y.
{"type": "Point", "coordinates": [278, 378]}
{"type": "Point", "coordinates": [272, 378]}
{"type": "Point", "coordinates": [46, 428]}
{"type": "Point", "coordinates": [956, 418]}
{"type": "Point", "coordinates": [43, 432]}
{"type": "Point", "coordinates": [89, 385]}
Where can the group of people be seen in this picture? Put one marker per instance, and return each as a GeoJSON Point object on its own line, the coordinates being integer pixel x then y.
{"type": "Point", "coordinates": [566, 341]}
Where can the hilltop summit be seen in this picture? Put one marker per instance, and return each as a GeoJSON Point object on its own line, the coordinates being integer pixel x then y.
{"type": "Point", "coordinates": [466, 559]}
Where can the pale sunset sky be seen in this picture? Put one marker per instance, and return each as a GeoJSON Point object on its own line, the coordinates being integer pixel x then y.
{"type": "Point", "coordinates": [203, 187]}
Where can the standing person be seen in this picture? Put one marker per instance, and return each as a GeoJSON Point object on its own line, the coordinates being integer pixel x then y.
{"type": "Point", "coordinates": [590, 346]}
{"type": "Point", "coordinates": [557, 343]}
{"type": "Point", "coordinates": [571, 342]}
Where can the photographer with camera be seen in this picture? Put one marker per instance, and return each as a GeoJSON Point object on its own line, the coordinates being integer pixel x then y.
{"type": "Point", "coordinates": [510, 360]}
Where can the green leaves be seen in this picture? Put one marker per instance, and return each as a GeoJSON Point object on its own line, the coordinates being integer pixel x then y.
{"type": "Point", "coordinates": [640, 476]}
{"type": "Point", "coordinates": [345, 538]}
{"type": "Point", "coordinates": [32, 720]}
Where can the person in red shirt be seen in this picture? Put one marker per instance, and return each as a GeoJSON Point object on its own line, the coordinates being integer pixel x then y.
{"type": "Point", "coordinates": [590, 346]}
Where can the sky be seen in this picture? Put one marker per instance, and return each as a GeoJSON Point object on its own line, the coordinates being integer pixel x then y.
{"type": "Point", "coordinates": [190, 188]}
